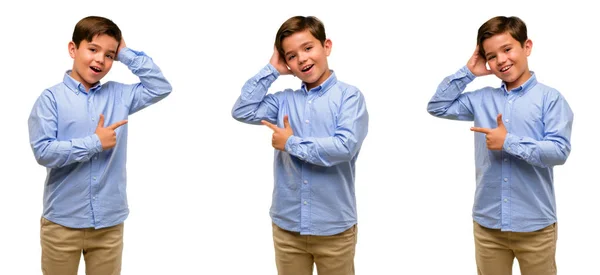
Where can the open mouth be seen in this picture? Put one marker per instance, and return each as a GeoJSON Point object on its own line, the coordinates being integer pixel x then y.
{"type": "Point", "coordinates": [95, 69]}
{"type": "Point", "coordinates": [307, 68]}
{"type": "Point", "coordinates": [505, 68]}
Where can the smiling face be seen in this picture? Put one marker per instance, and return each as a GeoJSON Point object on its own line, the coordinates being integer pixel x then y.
{"type": "Point", "coordinates": [92, 60]}
{"type": "Point", "coordinates": [507, 58]}
{"type": "Point", "coordinates": [307, 57]}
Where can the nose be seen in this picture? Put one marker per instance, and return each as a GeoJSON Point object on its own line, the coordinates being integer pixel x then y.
{"type": "Point", "coordinates": [501, 58]}
{"type": "Point", "coordinates": [302, 58]}
{"type": "Point", "coordinates": [99, 57]}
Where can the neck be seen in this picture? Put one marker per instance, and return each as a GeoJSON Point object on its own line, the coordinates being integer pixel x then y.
{"type": "Point", "coordinates": [522, 79]}
{"type": "Point", "coordinates": [320, 81]}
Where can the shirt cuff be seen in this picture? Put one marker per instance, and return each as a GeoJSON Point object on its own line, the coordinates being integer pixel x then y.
{"type": "Point", "coordinates": [272, 70]}
{"type": "Point", "coordinates": [291, 146]}
{"type": "Point", "coordinates": [96, 145]}
{"type": "Point", "coordinates": [511, 142]}
{"type": "Point", "coordinates": [467, 73]}
{"type": "Point", "coordinates": [127, 55]}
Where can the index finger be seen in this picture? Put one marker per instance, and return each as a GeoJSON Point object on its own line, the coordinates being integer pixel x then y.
{"type": "Point", "coordinates": [117, 125]}
{"type": "Point", "coordinates": [481, 130]}
{"type": "Point", "coordinates": [269, 124]}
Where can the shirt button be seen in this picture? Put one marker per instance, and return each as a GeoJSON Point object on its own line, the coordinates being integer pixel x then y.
{"type": "Point", "coordinates": [505, 179]}
{"type": "Point", "coordinates": [94, 178]}
{"type": "Point", "coordinates": [310, 101]}
{"type": "Point", "coordinates": [505, 200]}
{"type": "Point", "coordinates": [305, 182]}
{"type": "Point", "coordinates": [95, 158]}
{"type": "Point", "coordinates": [94, 198]}
{"type": "Point", "coordinates": [307, 121]}
{"type": "Point", "coordinates": [510, 101]}
{"type": "Point", "coordinates": [506, 120]}
{"type": "Point", "coordinates": [505, 160]}
{"type": "Point", "coordinates": [305, 203]}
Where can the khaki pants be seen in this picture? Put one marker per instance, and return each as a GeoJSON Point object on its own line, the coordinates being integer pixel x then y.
{"type": "Point", "coordinates": [62, 248]}
{"type": "Point", "coordinates": [296, 254]}
{"type": "Point", "coordinates": [495, 251]}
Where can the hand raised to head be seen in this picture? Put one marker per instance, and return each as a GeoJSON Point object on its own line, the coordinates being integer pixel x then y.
{"type": "Point", "coordinates": [476, 64]}
{"type": "Point", "coordinates": [278, 62]}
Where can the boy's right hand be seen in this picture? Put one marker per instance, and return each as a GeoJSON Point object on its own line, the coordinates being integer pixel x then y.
{"type": "Point", "coordinates": [107, 135]}
{"type": "Point", "coordinates": [477, 63]}
{"type": "Point", "coordinates": [279, 63]}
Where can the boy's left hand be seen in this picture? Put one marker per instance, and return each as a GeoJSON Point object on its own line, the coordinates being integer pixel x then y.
{"type": "Point", "coordinates": [280, 135]}
{"type": "Point", "coordinates": [494, 137]}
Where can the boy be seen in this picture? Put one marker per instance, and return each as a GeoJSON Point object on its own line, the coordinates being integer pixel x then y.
{"type": "Point", "coordinates": [323, 126]}
{"type": "Point", "coordinates": [77, 129]}
{"type": "Point", "coordinates": [523, 129]}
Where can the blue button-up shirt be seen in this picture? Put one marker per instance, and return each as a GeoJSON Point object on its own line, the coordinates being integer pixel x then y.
{"type": "Point", "coordinates": [314, 177]}
{"type": "Point", "coordinates": [85, 186]}
{"type": "Point", "coordinates": [515, 188]}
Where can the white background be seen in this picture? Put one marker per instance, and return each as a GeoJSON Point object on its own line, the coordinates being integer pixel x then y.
{"type": "Point", "coordinates": [200, 183]}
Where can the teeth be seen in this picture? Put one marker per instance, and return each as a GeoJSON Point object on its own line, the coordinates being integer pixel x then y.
{"type": "Point", "coordinates": [505, 68]}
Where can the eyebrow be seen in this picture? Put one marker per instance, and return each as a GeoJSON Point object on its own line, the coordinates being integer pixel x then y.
{"type": "Point", "coordinates": [96, 45]}
{"type": "Point", "coordinates": [303, 44]}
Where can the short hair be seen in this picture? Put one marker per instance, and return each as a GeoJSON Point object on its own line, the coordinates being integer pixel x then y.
{"type": "Point", "coordinates": [501, 24]}
{"type": "Point", "coordinates": [297, 24]}
{"type": "Point", "coordinates": [87, 28]}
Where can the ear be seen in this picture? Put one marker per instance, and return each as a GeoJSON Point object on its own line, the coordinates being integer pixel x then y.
{"type": "Point", "coordinates": [72, 49]}
{"type": "Point", "coordinates": [528, 46]}
{"type": "Point", "coordinates": [327, 46]}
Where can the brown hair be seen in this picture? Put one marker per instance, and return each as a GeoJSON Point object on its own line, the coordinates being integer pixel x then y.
{"type": "Point", "coordinates": [87, 28]}
{"type": "Point", "coordinates": [501, 24]}
{"type": "Point", "coordinates": [297, 24]}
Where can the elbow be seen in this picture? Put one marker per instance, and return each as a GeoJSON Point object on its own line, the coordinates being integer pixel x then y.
{"type": "Point", "coordinates": [562, 157]}
{"type": "Point", "coordinates": [165, 91]}
{"type": "Point", "coordinates": [44, 157]}
{"type": "Point", "coordinates": [432, 110]}
{"type": "Point", "coordinates": [243, 116]}
{"type": "Point", "coordinates": [45, 161]}
{"type": "Point", "coordinates": [347, 151]}
{"type": "Point", "coordinates": [237, 115]}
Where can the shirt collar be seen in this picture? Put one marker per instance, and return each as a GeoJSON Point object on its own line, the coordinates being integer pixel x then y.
{"type": "Point", "coordinates": [76, 86]}
{"type": "Point", "coordinates": [321, 89]}
{"type": "Point", "coordinates": [532, 81]}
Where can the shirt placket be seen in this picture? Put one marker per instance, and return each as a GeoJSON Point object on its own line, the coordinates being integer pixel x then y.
{"type": "Point", "coordinates": [305, 186]}
{"type": "Point", "coordinates": [506, 163]}
{"type": "Point", "coordinates": [94, 163]}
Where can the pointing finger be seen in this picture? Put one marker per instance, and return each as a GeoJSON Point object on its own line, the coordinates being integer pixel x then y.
{"type": "Point", "coordinates": [481, 130]}
{"type": "Point", "coordinates": [269, 124]}
{"type": "Point", "coordinates": [117, 125]}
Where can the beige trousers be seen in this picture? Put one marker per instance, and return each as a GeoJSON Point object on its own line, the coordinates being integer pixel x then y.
{"type": "Point", "coordinates": [495, 251]}
{"type": "Point", "coordinates": [296, 254]}
{"type": "Point", "coordinates": [62, 247]}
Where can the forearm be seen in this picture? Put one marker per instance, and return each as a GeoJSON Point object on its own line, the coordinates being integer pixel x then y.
{"type": "Point", "coordinates": [327, 151]}
{"type": "Point", "coordinates": [445, 102]}
{"type": "Point", "coordinates": [544, 153]}
{"type": "Point", "coordinates": [253, 105]}
{"type": "Point", "coordinates": [153, 85]}
{"type": "Point", "coordinates": [55, 154]}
